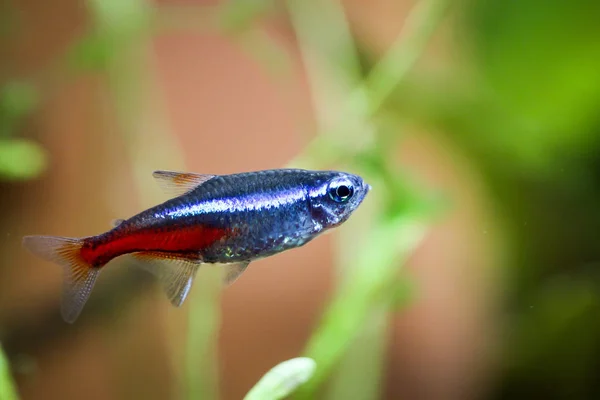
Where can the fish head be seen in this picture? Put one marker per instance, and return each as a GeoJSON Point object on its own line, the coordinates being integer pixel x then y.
{"type": "Point", "coordinates": [334, 196]}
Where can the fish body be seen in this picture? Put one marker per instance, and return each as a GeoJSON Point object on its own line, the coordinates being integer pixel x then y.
{"type": "Point", "coordinates": [224, 219]}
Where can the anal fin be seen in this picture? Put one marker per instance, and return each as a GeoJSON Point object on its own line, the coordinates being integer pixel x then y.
{"type": "Point", "coordinates": [175, 274]}
{"type": "Point", "coordinates": [233, 271]}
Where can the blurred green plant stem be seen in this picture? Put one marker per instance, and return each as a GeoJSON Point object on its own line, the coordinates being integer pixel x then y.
{"type": "Point", "coordinates": [7, 388]}
{"type": "Point", "coordinates": [122, 49]}
{"type": "Point", "coordinates": [369, 278]}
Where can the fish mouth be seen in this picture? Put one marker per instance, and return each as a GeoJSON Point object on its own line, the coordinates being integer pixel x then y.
{"type": "Point", "coordinates": [366, 188]}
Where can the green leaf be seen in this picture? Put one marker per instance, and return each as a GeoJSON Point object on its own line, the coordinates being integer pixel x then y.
{"type": "Point", "coordinates": [21, 159]}
{"type": "Point", "coordinates": [283, 379]}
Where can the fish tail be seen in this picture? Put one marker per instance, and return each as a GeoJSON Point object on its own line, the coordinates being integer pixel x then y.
{"type": "Point", "coordinates": [79, 276]}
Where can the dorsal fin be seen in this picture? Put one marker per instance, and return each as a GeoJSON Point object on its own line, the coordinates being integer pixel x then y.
{"type": "Point", "coordinates": [116, 222]}
{"type": "Point", "coordinates": [178, 183]}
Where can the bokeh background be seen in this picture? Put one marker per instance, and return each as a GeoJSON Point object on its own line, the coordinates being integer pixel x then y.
{"type": "Point", "coordinates": [470, 273]}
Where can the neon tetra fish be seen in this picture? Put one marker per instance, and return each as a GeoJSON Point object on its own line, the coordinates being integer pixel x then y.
{"type": "Point", "coordinates": [227, 219]}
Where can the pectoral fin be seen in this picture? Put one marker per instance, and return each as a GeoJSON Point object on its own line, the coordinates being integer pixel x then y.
{"type": "Point", "coordinates": [233, 271]}
{"type": "Point", "coordinates": [175, 274]}
{"type": "Point", "coordinates": [178, 183]}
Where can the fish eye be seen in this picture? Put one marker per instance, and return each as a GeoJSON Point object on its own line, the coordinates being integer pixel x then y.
{"type": "Point", "coordinates": [341, 191]}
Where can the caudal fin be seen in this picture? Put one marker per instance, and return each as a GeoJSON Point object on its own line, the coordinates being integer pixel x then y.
{"type": "Point", "coordinates": [79, 276]}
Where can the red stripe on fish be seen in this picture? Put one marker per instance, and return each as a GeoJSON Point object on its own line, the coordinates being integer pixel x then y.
{"type": "Point", "coordinates": [99, 250]}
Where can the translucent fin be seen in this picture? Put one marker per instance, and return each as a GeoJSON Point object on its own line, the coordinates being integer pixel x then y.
{"type": "Point", "coordinates": [116, 222]}
{"type": "Point", "coordinates": [175, 274]}
{"type": "Point", "coordinates": [233, 271]}
{"type": "Point", "coordinates": [79, 277]}
{"type": "Point", "coordinates": [178, 183]}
